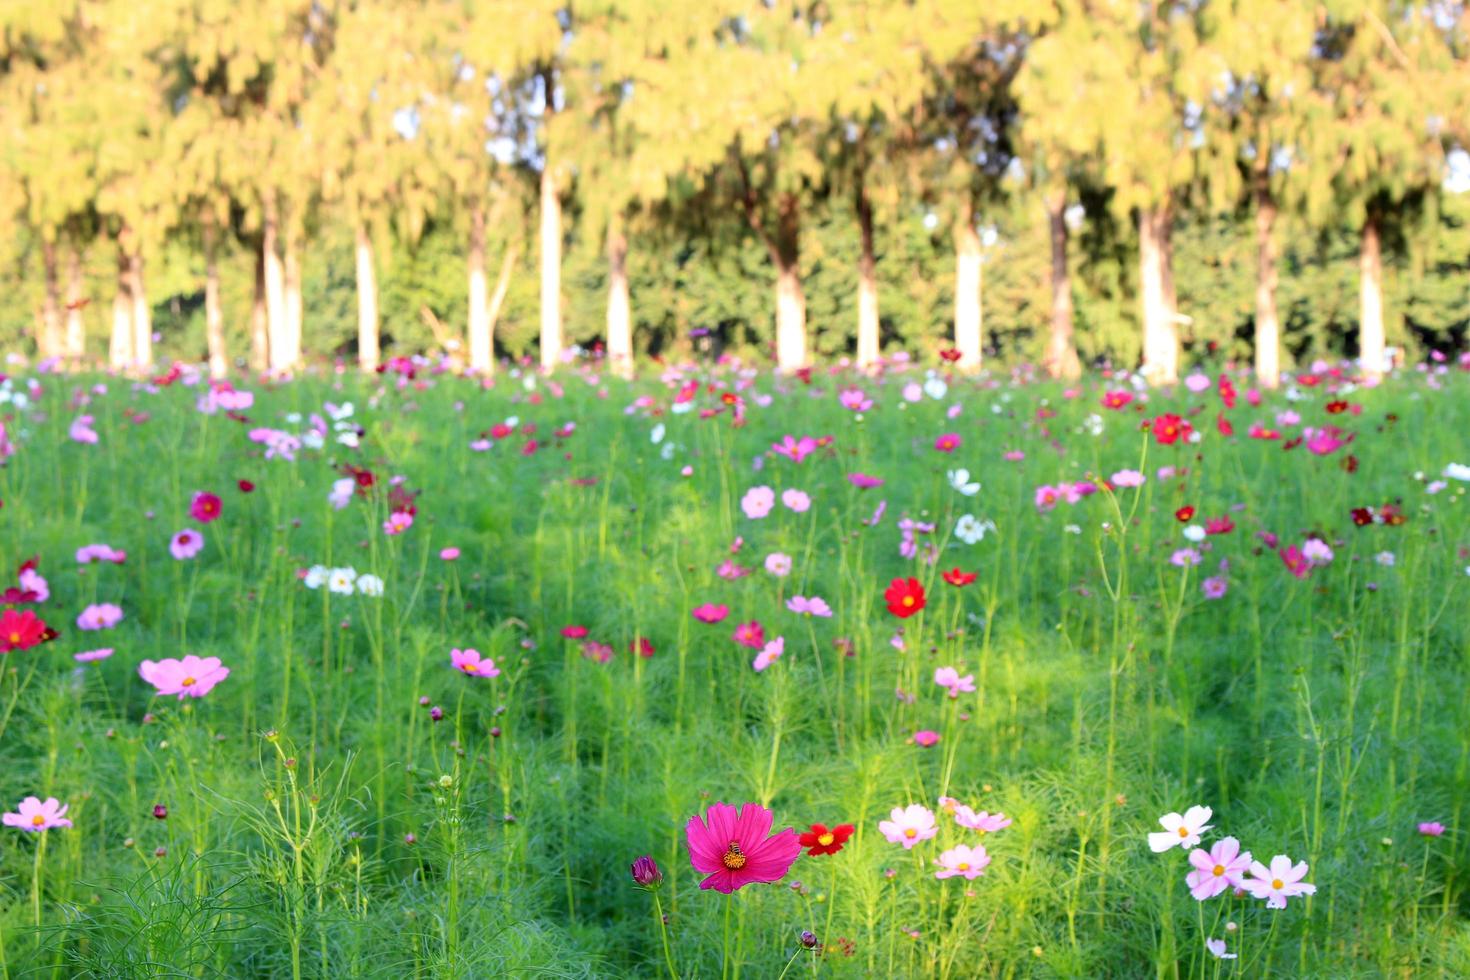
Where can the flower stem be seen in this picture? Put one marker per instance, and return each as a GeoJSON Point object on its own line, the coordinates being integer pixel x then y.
{"type": "Point", "coordinates": [663, 935]}
{"type": "Point", "coordinates": [36, 885]}
{"type": "Point", "coordinates": [796, 952]}
{"type": "Point", "coordinates": [725, 959]}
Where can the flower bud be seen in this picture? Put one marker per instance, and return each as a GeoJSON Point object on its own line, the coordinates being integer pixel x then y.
{"type": "Point", "coordinates": [646, 873]}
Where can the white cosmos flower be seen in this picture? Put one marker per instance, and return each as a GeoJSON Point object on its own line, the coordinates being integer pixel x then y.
{"type": "Point", "coordinates": [1093, 424]}
{"type": "Point", "coordinates": [341, 495]}
{"type": "Point", "coordinates": [960, 480]}
{"type": "Point", "coordinates": [935, 388]}
{"type": "Point", "coordinates": [657, 435]}
{"type": "Point", "coordinates": [370, 585]}
{"type": "Point", "coordinates": [1181, 831]}
{"type": "Point", "coordinates": [1193, 532]}
{"type": "Point", "coordinates": [667, 453]}
{"type": "Point", "coordinates": [971, 530]}
{"type": "Point", "coordinates": [340, 580]}
{"type": "Point", "coordinates": [312, 439]}
{"type": "Point", "coordinates": [348, 439]}
{"type": "Point", "coordinates": [1458, 471]}
{"type": "Point", "coordinates": [316, 576]}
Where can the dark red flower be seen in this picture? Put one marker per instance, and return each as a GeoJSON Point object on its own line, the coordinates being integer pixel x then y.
{"type": "Point", "coordinates": [1219, 525]}
{"type": "Point", "coordinates": [820, 840]}
{"type": "Point", "coordinates": [246, 486]}
{"type": "Point", "coordinates": [1337, 407]}
{"type": "Point", "coordinates": [1184, 514]}
{"type": "Point", "coordinates": [904, 597]}
{"type": "Point", "coordinates": [1362, 516]}
{"type": "Point", "coordinates": [642, 646]}
{"type": "Point", "coordinates": [1227, 392]}
{"type": "Point", "coordinates": [958, 578]}
{"type": "Point", "coordinates": [15, 597]}
{"type": "Point", "coordinates": [1349, 463]}
{"type": "Point", "coordinates": [1223, 425]}
{"type": "Point", "coordinates": [23, 630]}
{"type": "Point", "coordinates": [950, 354]}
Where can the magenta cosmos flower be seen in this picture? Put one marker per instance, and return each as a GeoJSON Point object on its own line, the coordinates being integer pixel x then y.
{"type": "Point", "coordinates": [191, 677]}
{"type": "Point", "coordinates": [186, 544]}
{"type": "Point", "coordinates": [863, 481]}
{"type": "Point", "coordinates": [710, 613]}
{"type": "Point", "coordinates": [948, 442]}
{"type": "Point", "coordinates": [205, 507]}
{"type": "Point", "coordinates": [469, 662]}
{"type": "Point", "coordinates": [1222, 866]}
{"type": "Point", "coordinates": [751, 634]}
{"type": "Point", "coordinates": [734, 850]}
{"type": "Point", "coordinates": [34, 816]}
{"type": "Point", "coordinates": [795, 450]}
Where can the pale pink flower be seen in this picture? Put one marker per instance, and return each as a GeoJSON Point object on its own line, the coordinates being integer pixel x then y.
{"type": "Point", "coordinates": [88, 656]}
{"type": "Point", "coordinates": [186, 544]}
{"type": "Point", "coordinates": [769, 654]}
{"type": "Point", "coordinates": [398, 522]}
{"type": "Point", "coordinates": [796, 500]}
{"type": "Point", "coordinates": [100, 552]}
{"type": "Point", "coordinates": [1127, 479]}
{"type": "Point", "coordinates": [33, 816]}
{"type": "Point", "coordinates": [855, 400]}
{"type": "Point", "coordinates": [191, 677]}
{"type": "Point", "coordinates": [1222, 866]}
{"type": "Point", "coordinates": [814, 606]}
{"type": "Point", "coordinates": [1282, 880]}
{"type": "Point", "coordinates": [950, 679]}
{"type": "Point", "coordinates": [99, 616]}
{"type": "Point", "coordinates": [31, 581]}
{"type": "Point", "coordinates": [778, 564]}
{"type": "Point", "coordinates": [909, 825]}
{"type": "Point", "coordinates": [982, 822]}
{"type": "Point", "coordinates": [757, 502]}
{"type": "Point", "coordinates": [729, 570]}
{"type": "Point", "coordinates": [962, 860]}
{"type": "Point", "coordinates": [1216, 948]}
{"type": "Point", "coordinates": [1317, 552]}
{"type": "Point", "coordinates": [81, 431]}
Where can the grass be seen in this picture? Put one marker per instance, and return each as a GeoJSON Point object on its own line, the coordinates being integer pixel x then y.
{"type": "Point", "coordinates": [321, 824]}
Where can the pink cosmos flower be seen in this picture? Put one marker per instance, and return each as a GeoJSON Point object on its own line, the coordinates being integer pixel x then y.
{"type": "Point", "coordinates": [863, 481]}
{"type": "Point", "coordinates": [737, 849]}
{"type": "Point", "coordinates": [31, 581]}
{"type": "Point", "coordinates": [1222, 866]}
{"type": "Point", "coordinates": [795, 449]}
{"type": "Point", "coordinates": [950, 679]}
{"type": "Point", "coordinates": [778, 564]}
{"type": "Point", "coordinates": [769, 654]}
{"type": "Point", "coordinates": [1181, 831]}
{"type": "Point", "coordinates": [88, 656]}
{"type": "Point", "coordinates": [796, 500]}
{"type": "Point", "coordinates": [1282, 880]}
{"type": "Point", "coordinates": [600, 652]}
{"type": "Point", "coordinates": [1326, 440]}
{"type": "Point", "coordinates": [1295, 561]}
{"type": "Point", "coordinates": [962, 860]}
{"type": "Point", "coordinates": [1431, 829]}
{"type": "Point", "coordinates": [877, 514]}
{"type": "Point", "coordinates": [100, 552]}
{"type": "Point", "coordinates": [191, 677]}
{"type": "Point", "coordinates": [982, 822]}
{"type": "Point", "coordinates": [1216, 949]}
{"type": "Point", "coordinates": [1129, 479]}
{"type": "Point", "coordinates": [1198, 382]}
{"type": "Point", "coordinates": [186, 544]}
{"type": "Point", "coordinates": [449, 554]}
{"type": "Point", "coordinates": [814, 606]}
{"type": "Point", "coordinates": [855, 400]}
{"type": "Point", "coordinates": [926, 739]}
{"type": "Point", "coordinates": [1317, 552]}
{"type": "Point", "coordinates": [1215, 587]}
{"type": "Point", "coordinates": [757, 502]}
{"type": "Point", "coordinates": [205, 507]}
{"type": "Point", "coordinates": [909, 825]}
{"type": "Point", "coordinates": [81, 431]}
{"type": "Point", "coordinates": [730, 571]}
{"type": "Point", "coordinates": [751, 634]}
{"type": "Point", "coordinates": [99, 616]}
{"type": "Point", "coordinates": [398, 522]}
{"type": "Point", "coordinates": [1185, 558]}
{"type": "Point", "coordinates": [1046, 498]}
{"type": "Point", "coordinates": [469, 662]}
{"type": "Point", "coordinates": [711, 613]}
{"type": "Point", "coordinates": [33, 816]}
{"type": "Point", "coordinates": [948, 442]}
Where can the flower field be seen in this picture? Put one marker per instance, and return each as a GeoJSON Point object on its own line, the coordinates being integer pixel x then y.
{"type": "Point", "coordinates": [732, 674]}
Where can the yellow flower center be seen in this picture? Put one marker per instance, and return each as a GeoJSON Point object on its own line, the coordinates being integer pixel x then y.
{"type": "Point", "coordinates": [1183, 831]}
{"type": "Point", "coordinates": [733, 859]}
{"type": "Point", "coordinates": [188, 682]}
{"type": "Point", "coordinates": [911, 833]}
{"type": "Point", "coordinates": [38, 820]}
{"type": "Point", "coordinates": [908, 600]}
{"type": "Point", "coordinates": [15, 638]}
{"type": "Point", "coordinates": [1219, 870]}
{"type": "Point", "coordinates": [825, 839]}
{"type": "Point", "coordinates": [1277, 884]}
{"type": "Point", "coordinates": [963, 866]}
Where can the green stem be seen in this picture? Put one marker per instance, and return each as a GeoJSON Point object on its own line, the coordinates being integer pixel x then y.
{"type": "Point", "coordinates": [663, 935]}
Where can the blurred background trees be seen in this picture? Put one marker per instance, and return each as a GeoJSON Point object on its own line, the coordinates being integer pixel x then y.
{"type": "Point", "coordinates": [1060, 184]}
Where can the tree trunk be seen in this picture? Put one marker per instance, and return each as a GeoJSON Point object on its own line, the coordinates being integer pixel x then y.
{"type": "Point", "coordinates": [142, 315]}
{"type": "Point", "coordinates": [76, 324]}
{"type": "Point", "coordinates": [1370, 297]}
{"type": "Point", "coordinates": [1061, 350]}
{"type": "Point", "coordinates": [292, 284]}
{"type": "Point", "coordinates": [1160, 340]}
{"type": "Point", "coordinates": [550, 269]}
{"type": "Point", "coordinates": [48, 343]}
{"type": "Point", "coordinates": [619, 307]}
{"type": "Point", "coordinates": [214, 316]}
{"type": "Point", "coordinates": [790, 299]}
{"type": "Point", "coordinates": [868, 353]}
{"type": "Point", "coordinates": [260, 324]}
{"type": "Point", "coordinates": [482, 340]}
{"type": "Point", "coordinates": [1268, 323]}
{"type": "Point", "coordinates": [367, 303]}
{"type": "Point", "coordinates": [120, 350]}
{"type": "Point", "coordinates": [275, 290]}
{"type": "Point", "coordinates": [502, 286]}
{"type": "Point", "coordinates": [967, 286]}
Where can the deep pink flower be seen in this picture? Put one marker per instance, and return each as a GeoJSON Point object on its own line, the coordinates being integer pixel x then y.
{"type": "Point", "coordinates": [711, 613]}
{"type": "Point", "coordinates": [205, 507]}
{"type": "Point", "coordinates": [795, 449]}
{"type": "Point", "coordinates": [471, 663]}
{"type": "Point", "coordinates": [863, 481]}
{"type": "Point", "coordinates": [751, 634]}
{"type": "Point", "coordinates": [948, 442]}
{"type": "Point", "coordinates": [1295, 561]}
{"type": "Point", "coordinates": [449, 554]}
{"type": "Point", "coordinates": [734, 850]}
{"type": "Point", "coordinates": [926, 738]}
{"type": "Point", "coordinates": [1432, 828]}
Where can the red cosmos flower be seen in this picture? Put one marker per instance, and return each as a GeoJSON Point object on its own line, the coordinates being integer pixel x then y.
{"type": "Point", "coordinates": [1184, 514]}
{"type": "Point", "coordinates": [950, 354]}
{"type": "Point", "coordinates": [1169, 429]}
{"type": "Point", "coordinates": [1308, 380]}
{"type": "Point", "coordinates": [1219, 525]}
{"type": "Point", "coordinates": [820, 840]}
{"type": "Point", "coordinates": [23, 630]}
{"type": "Point", "coordinates": [15, 597]}
{"type": "Point", "coordinates": [1259, 431]}
{"type": "Point", "coordinates": [1392, 515]}
{"type": "Point", "coordinates": [574, 632]}
{"type": "Point", "coordinates": [246, 486]}
{"type": "Point", "coordinates": [1116, 399]}
{"type": "Point", "coordinates": [363, 477]}
{"type": "Point", "coordinates": [1362, 516]}
{"type": "Point", "coordinates": [805, 374]}
{"type": "Point", "coordinates": [1227, 392]}
{"type": "Point", "coordinates": [904, 597]}
{"type": "Point", "coordinates": [403, 501]}
{"type": "Point", "coordinates": [529, 449]}
{"type": "Point", "coordinates": [642, 646]}
{"type": "Point", "coordinates": [1223, 425]}
{"type": "Point", "coordinates": [958, 578]}
{"type": "Point", "coordinates": [1291, 444]}
{"type": "Point", "coordinates": [500, 431]}
{"type": "Point", "coordinates": [205, 507]}
{"type": "Point", "coordinates": [1336, 407]}
{"type": "Point", "coordinates": [1349, 463]}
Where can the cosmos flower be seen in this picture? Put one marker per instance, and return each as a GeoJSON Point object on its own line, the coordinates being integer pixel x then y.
{"type": "Point", "coordinates": [470, 662]}
{"type": "Point", "coordinates": [795, 450]}
{"type": "Point", "coordinates": [778, 564]}
{"type": "Point", "coordinates": [909, 825]}
{"type": "Point", "coordinates": [99, 616]}
{"type": "Point", "coordinates": [205, 507]}
{"type": "Point", "coordinates": [751, 634]}
{"type": "Point", "coordinates": [710, 613]}
{"type": "Point", "coordinates": [962, 860]}
{"type": "Point", "coordinates": [23, 630]}
{"type": "Point", "coordinates": [1282, 880]}
{"type": "Point", "coordinates": [736, 848]}
{"type": "Point", "coordinates": [822, 840]}
{"type": "Point", "coordinates": [972, 530]}
{"type": "Point", "coordinates": [769, 654]}
{"type": "Point", "coordinates": [1222, 866]}
{"type": "Point", "coordinates": [904, 597]}
{"type": "Point", "coordinates": [960, 480]}
{"type": "Point", "coordinates": [796, 500]}
{"type": "Point", "coordinates": [186, 544]}
{"type": "Point", "coordinates": [33, 816]}
{"type": "Point", "coordinates": [191, 677]}
{"type": "Point", "coordinates": [813, 606]}
{"type": "Point", "coordinates": [948, 442]}
{"type": "Point", "coordinates": [1181, 831]}
{"type": "Point", "coordinates": [757, 502]}
{"type": "Point", "coordinates": [950, 679]}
